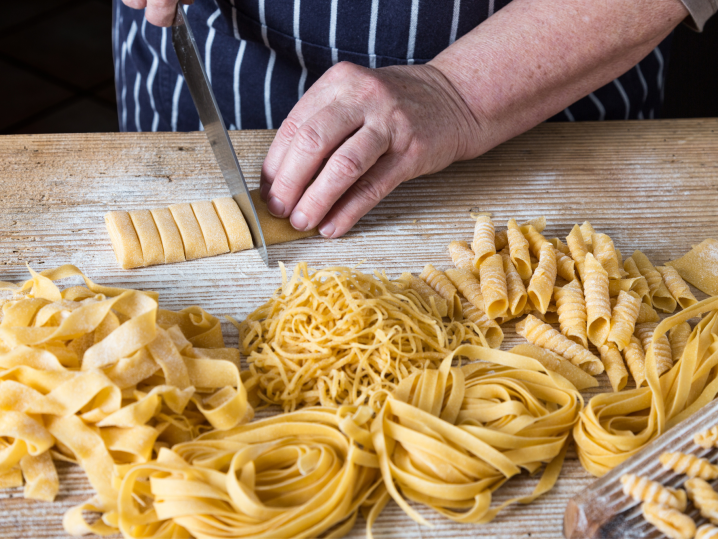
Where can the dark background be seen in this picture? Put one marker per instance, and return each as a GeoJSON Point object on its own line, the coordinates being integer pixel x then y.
{"type": "Point", "coordinates": [56, 72]}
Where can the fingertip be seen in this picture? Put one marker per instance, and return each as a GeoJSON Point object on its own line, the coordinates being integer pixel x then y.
{"type": "Point", "coordinates": [276, 207]}
{"type": "Point", "coordinates": [328, 229]}
{"type": "Point", "coordinates": [264, 190]}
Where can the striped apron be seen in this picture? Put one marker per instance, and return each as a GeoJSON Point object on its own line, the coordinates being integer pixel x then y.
{"type": "Point", "coordinates": [262, 55]}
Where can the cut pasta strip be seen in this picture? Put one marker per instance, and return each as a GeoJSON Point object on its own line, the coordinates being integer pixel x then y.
{"type": "Point", "coordinates": [635, 360]}
{"type": "Point", "coordinates": [170, 237]}
{"type": "Point", "coordinates": [578, 249]}
{"type": "Point", "coordinates": [442, 285]}
{"type": "Point", "coordinates": [677, 286]}
{"type": "Point", "coordinates": [519, 249]}
{"type": "Point", "coordinates": [483, 245]}
{"type": "Point", "coordinates": [468, 285]}
{"type": "Point", "coordinates": [213, 232]}
{"type": "Point", "coordinates": [152, 251]}
{"type": "Point", "coordinates": [540, 288]}
{"type": "Point", "coordinates": [572, 312]}
{"type": "Point", "coordinates": [124, 239]}
{"type": "Point", "coordinates": [235, 227]}
{"type": "Point", "coordinates": [515, 286]}
{"type": "Point", "coordinates": [678, 337]}
{"type": "Point", "coordinates": [463, 257]}
{"type": "Point", "coordinates": [643, 489]}
{"type": "Point", "coordinates": [623, 319]}
{"type": "Point", "coordinates": [605, 253]}
{"type": "Point", "coordinates": [661, 347]}
{"type": "Point", "coordinates": [661, 298]}
{"type": "Point", "coordinates": [192, 238]}
{"type": "Point", "coordinates": [614, 366]}
{"type": "Point", "coordinates": [689, 465]}
{"type": "Point", "coordinates": [494, 287]}
{"type": "Point", "coordinates": [543, 335]}
{"type": "Point", "coordinates": [670, 522]}
{"type": "Point", "coordinates": [598, 303]}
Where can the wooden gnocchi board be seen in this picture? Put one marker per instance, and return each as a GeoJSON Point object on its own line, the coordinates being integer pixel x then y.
{"type": "Point", "coordinates": [651, 185]}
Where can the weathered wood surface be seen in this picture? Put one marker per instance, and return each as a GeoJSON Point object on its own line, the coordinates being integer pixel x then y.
{"type": "Point", "coordinates": [650, 185]}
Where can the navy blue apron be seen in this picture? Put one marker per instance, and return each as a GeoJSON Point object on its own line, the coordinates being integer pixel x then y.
{"type": "Point", "coordinates": [262, 55]}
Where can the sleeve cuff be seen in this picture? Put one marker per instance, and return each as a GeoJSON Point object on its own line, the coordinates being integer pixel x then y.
{"type": "Point", "coordinates": [700, 11]}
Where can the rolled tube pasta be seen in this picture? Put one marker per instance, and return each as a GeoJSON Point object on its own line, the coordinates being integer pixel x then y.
{"type": "Point", "coordinates": [537, 332]}
{"type": "Point", "coordinates": [515, 286]}
{"type": "Point", "coordinates": [192, 238]}
{"type": "Point", "coordinates": [560, 246]}
{"type": "Point", "coordinates": [587, 232]}
{"type": "Point", "coordinates": [706, 531]}
{"type": "Point", "coordinates": [552, 361]}
{"type": "Point", "coordinates": [572, 312]}
{"type": "Point", "coordinates": [468, 286]}
{"type": "Point", "coordinates": [535, 240]}
{"type": "Point", "coordinates": [494, 287]}
{"type": "Point", "coordinates": [623, 319]}
{"type": "Point", "coordinates": [598, 302]}
{"type": "Point", "coordinates": [463, 257]}
{"type": "Point", "coordinates": [519, 249]}
{"type": "Point", "coordinates": [483, 245]}
{"type": "Point", "coordinates": [540, 288]}
{"type": "Point", "coordinates": [671, 522]}
{"type": "Point", "coordinates": [707, 438]}
{"type": "Point", "coordinates": [125, 242]}
{"type": "Point", "coordinates": [442, 285]}
{"type": "Point", "coordinates": [428, 294]}
{"type": "Point", "coordinates": [605, 252]}
{"type": "Point", "coordinates": [636, 361]}
{"type": "Point", "coordinates": [501, 239]}
{"type": "Point", "coordinates": [614, 366]}
{"type": "Point", "coordinates": [677, 286]}
{"type": "Point", "coordinates": [213, 232]}
{"type": "Point", "coordinates": [690, 465]}
{"type": "Point", "coordinates": [678, 337]}
{"type": "Point", "coordinates": [662, 349]}
{"type": "Point", "coordinates": [647, 314]}
{"type": "Point", "coordinates": [661, 298]}
{"type": "Point", "coordinates": [615, 286]}
{"type": "Point", "coordinates": [491, 331]}
{"type": "Point", "coordinates": [641, 285]}
{"type": "Point", "coordinates": [704, 497]}
{"type": "Point", "coordinates": [169, 235]}
{"type": "Point", "coordinates": [566, 267]}
{"type": "Point", "coordinates": [643, 489]}
{"type": "Point", "coordinates": [150, 241]}
{"type": "Point", "coordinates": [578, 249]}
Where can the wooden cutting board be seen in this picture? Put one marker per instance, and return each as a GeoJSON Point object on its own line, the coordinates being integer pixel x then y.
{"type": "Point", "coordinates": [650, 185]}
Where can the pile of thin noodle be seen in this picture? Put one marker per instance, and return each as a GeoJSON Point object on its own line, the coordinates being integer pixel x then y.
{"type": "Point", "coordinates": [101, 377]}
{"type": "Point", "coordinates": [339, 337]}
{"type": "Point", "coordinates": [446, 438]}
{"type": "Point", "coordinates": [615, 426]}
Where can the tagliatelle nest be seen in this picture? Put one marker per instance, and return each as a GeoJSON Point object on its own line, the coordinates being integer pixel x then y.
{"type": "Point", "coordinates": [340, 337]}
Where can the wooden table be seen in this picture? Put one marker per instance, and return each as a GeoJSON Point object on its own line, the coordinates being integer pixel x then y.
{"type": "Point", "coordinates": [650, 185]}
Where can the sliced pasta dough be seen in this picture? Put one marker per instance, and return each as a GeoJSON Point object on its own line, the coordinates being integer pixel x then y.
{"type": "Point", "coordinates": [149, 236]}
{"type": "Point", "coordinates": [235, 227]}
{"type": "Point", "coordinates": [572, 312]}
{"type": "Point", "coordinates": [598, 302]}
{"type": "Point", "coordinates": [215, 238]}
{"type": "Point", "coordinates": [125, 242]}
{"type": "Point", "coordinates": [192, 238]}
{"type": "Point", "coordinates": [494, 287]}
{"type": "Point", "coordinates": [172, 246]}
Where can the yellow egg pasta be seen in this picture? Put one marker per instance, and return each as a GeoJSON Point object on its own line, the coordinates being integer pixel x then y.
{"type": "Point", "coordinates": [561, 247]}
{"type": "Point", "coordinates": [501, 239]}
{"type": "Point", "coordinates": [605, 253]}
{"type": "Point", "coordinates": [614, 366]}
{"type": "Point", "coordinates": [623, 319]}
{"type": "Point", "coordinates": [463, 257]}
{"type": "Point", "coordinates": [571, 308]}
{"type": "Point", "coordinates": [149, 236]}
{"type": "Point", "coordinates": [689, 465]}
{"type": "Point", "coordinates": [442, 285]}
{"type": "Point", "coordinates": [192, 238]}
{"type": "Point", "coordinates": [491, 331]}
{"type": "Point", "coordinates": [703, 497]}
{"type": "Point", "coordinates": [483, 244]}
{"type": "Point", "coordinates": [661, 298]}
{"type": "Point", "coordinates": [215, 238]}
{"type": "Point", "coordinates": [678, 337]}
{"type": "Point", "coordinates": [670, 522]}
{"type": "Point", "coordinates": [707, 438]}
{"type": "Point", "coordinates": [598, 303]}
{"type": "Point", "coordinates": [677, 286]}
{"type": "Point", "coordinates": [647, 314]}
{"type": "Point", "coordinates": [170, 237]}
{"type": "Point", "coordinates": [587, 232]}
{"type": "Point", "coordinates": [124, 239]}
{"type": "Point", "coordinates": [635, 359]}
{"type": "Point", "coordinates": [519, 250]}
{"type": "Point", "coordinates": [235, 227]}
{"type": "Point", "coordinates": [541, 334]}
{"type": "Point", "coordinates": [515, 287]}
{"type": "Point", "coordinates": [494, 287]}
{"type": "Point", "coordinates": [438, 305]}
{"type": "Point", "coordinates": [558, 364]}
{"type": "Point", "coordinates": [566, 267]}
{"type": "Point", "coordinates": [699, 266]}
{"type": "Point", "coordinates": [643, 489]}
{"type": "Point", "coordinates": [706, 531]}
{"type": "Point", "coordinates": [468, 285]}
{"type": "Point", "coordinates": [661, 346]}
{"type": "Point", "coordinates": [540, 288]}
{"type": "Point", "coordinates": [578, 249]}
{"type": "Point", "coordinates": [641, 285]}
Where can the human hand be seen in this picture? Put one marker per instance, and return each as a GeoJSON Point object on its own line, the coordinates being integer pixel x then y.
{"type": "Point", "coordinates": [375, 129]}
{"type": "Point", "coordinates": [158, 12]}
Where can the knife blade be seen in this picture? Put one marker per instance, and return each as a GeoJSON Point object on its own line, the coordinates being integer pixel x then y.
{"type": "Point", "coordinates": [201, 90]}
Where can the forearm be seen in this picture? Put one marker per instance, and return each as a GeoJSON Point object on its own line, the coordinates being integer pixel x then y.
{"type": "Point", "coordinates": [534, 58]}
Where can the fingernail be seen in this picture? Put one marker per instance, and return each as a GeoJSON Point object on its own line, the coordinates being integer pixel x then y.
{"type": "Point", "coordinates": [276, 207]}
{"type": "Point", "coordinates": [264, 190]}
{"type": "Point", "coordinates": [299, 221]}
{"type": "Point", "coordinates": [327, 230]}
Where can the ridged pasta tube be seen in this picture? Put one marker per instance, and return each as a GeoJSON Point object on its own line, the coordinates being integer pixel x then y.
{"type": "Point", "coordinates": [435, 302]}
{"type": "Point", "coordinates": [491, 331]}
{"type": "Point", "coordinates": [442, 285]}
{"type": "Point", "coordinates": [706, 531]}
{"type": "Point", "coordinates": [614, 366]}
{"type": "Point", "coordinates": [707, 438]}
{"type": "Point", "coordinates": [483, 244]}
{"type": "Point", "coordinates": [540, 288]}
{"type": "Point", "coordinates": [572, 312]}
{"type": "Point", "coordinates": [501, 239]}
{"type": "Point", "coordinates": [641, 287]}
{"type": "Point", "coordinates": [565, 265]}
{"type": "Point", "coordinates": [514, 285]}
{"type": "Point", "coordinates": [636, 361]}
{"type": "Point", "coordinates": [587, 232]}
{"type": "Point", "coordinates": [704, 498]}
{"type": "Point", "coordinates": [677, 286]}
{"type": "Point", "coordinates": [519, 249]}
{"type": "Point", "coordinates": [670, 522]}
{"type": "Point", "coordinates": [537, 332]}
{"type": "Point", "coordinates": [662, 349]}
{"type": "Point", "coordinates": [463, 257]}
{"type": "Point", "coordinates": [560, 246]}
{"type": "Point", "coordinates": [605, 252]}
{"type": "Point", "coordinates": [647, 314]}
{"type": "Point", "coordinates": [578, 249]}
{"type": "Point", "coordinates": [661, 298]}
{"type": "Point", "coordinates": [623, 319]}
{"type": "Point", "coordinates": [493, 286]}
{"type": "Point", "coordinates": [598, 302]}
{"type": "Point", "coordinates": [678, 337]}
{"type": "Point", "coordinates": [468, 285]}
{"type": "Point", "coordinates": [689, 465]}
{"type": "Point", "coordinates": [643, 489]}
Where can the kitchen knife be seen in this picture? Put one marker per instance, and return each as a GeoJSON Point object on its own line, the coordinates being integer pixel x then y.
{"type": "Point", "coordinates": [203, 97]}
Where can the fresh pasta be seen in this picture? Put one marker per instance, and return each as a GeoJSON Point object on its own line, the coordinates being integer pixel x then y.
{"type": "Point", "coordinates": [677, 286]}
{"type": "Point", "coordinates": [483, 245]}
{"type": "Point", "coordinates": [442, 285]}
{"type": "Point", "coordinates": [678, 337]}
{"type": "Point", "coordinates": [707, 438]}
{"type": "Point", "coordinates": [661, 298]}
{"type": "Point", "coordinates": [463, 257]}
{"type": "Point", "coordinates": [635, 359]}
{"type": "Point", "coordinates": [698, 266]}
{"type": "Point", "coordinates": [689, 465]}
{"type": "Point", "coordinates": [614, 366]}
{"type": "Point", "coordinates": [605, 253]}
{"type": "Point", "coordinates": [660, 347]}
{"type": "Point", "coordinates": [515, 288]}
{"type": "Point", "coordinates": [647, 314]}
{"type": "Point", "coordinates": [437, 304]}
{"type": "Point", "coordinates": [598, 302]}
{"type": "Point", "coordinates": [641, 285]}
{"type": "Point", "coordinates": [623, 319]}
{"type": "Point", "coordinates": [468, 285]}
{"type": "Point", "coordinates": [672, 523]}
{"type": "Point", "coordinates": [494, 287]}
{"type": "Point", "coordinates": [501, 239]}
{"type": "Point", "coordinates": [491, 331]}
{"type": "Point", "coordinates": [571, 308]}
{"type": "Point", "coordinates": [540, 289]}
{"type": "Point", "coordinates": [703, 497]}
{"type": "Point", "coordinates": [706, 531]}
{"type": "Point", "coordinates": [587, 232]}
{"type": "Point", "coordinates": [643, 489]}
{"type": "Point", "coordinates": [519, 250]}
{"type": "Point", "coordinates": [578, 249]}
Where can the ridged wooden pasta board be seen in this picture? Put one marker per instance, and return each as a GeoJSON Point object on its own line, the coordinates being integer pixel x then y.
{"type": "Point", "coordinates": [650, 185]}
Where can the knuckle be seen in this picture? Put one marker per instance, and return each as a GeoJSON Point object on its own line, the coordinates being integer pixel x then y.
{"type": "Point", "coordinates": [346, 166]}
{"type": "Point", "coordinates": [288, 128]}
{"type": "Point", "coordinates": [368, 191]}
{"type": "Point", "coordinates": [308, 140]}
